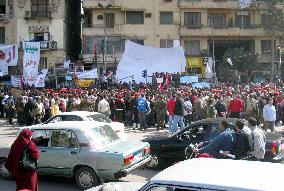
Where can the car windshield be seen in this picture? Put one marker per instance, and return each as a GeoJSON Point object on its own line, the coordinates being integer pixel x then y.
{"type": "Point", "coordinates": [101, 136]}
{"type": "Point", "coordinates": [99, 118]}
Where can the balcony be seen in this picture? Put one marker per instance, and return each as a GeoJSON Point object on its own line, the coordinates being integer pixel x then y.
{"type": "Point", "coordinates": [233, 31]}
{"type": "Point", "coordinates": [45, 45]}
{"type": "Point", "coordinates": [209, 4]}
{"type": "Point", "coordinates": [38, 15]}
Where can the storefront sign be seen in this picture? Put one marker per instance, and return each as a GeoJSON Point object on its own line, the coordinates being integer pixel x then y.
{"type": "Point", "coordinates": [85, 83]}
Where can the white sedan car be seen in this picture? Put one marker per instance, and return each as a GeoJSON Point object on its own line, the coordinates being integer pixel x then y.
{"type": "Point", "coordinates": [88, 116]}
{"type": "Point", "coordinates": [211, 174]}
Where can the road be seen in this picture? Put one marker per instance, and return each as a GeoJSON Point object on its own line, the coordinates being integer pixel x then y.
{"type": "Point", "coordinates": [8, 135]}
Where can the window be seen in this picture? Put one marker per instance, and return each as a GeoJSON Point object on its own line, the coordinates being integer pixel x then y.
{"type": "Point", "coordinates": [166, 18]}
{"type": "Point", "coordinates": [135, 17]}
{"type": "Point", "coordinates": [2, 35]}
{"type": "Point", "coordinates": [243, 21]}
{"type": "Point", "coordinates": [88, 19]}
{"type": "Point", "coordinates": [265, 19]}
{"type": "Point", "coordinates": [99, 118]}
{"type": "Point", "coordinates": [192, 19]}
{"type": "Point", "coordinates": [266, 46]}
{"type": "Point", "coordinates": [165, 43]}
{"type": "Point", "coordinates": [71, 118]}
{"type": "Point", "coordinates": [109, 20]}
{"type": "Point", "coordinates": [39, 8]}
{"type": "Point", "coordinates": [41, 137]}
{"type": "Point", "coordinates": [218, 21]}
{"type": "Point", "coordinates": [64, 139]}
{"type": "Point", "coordinates": [42, 63]}
{"type": "Point", "coordinates": [138, 41]}
{"type": "Point", "coordinates": [192, 47]}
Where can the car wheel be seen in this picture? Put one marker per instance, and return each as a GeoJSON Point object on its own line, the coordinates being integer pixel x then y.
{"type": "Point", "coordinates": [86, 178]}
{"type": "Point", "coordinates": [4, 173]}
{"type": "Point", "coordinates": [155, 163]}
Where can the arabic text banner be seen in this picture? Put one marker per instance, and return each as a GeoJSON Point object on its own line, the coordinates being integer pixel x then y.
{"type": "Point", "coordinates": [137, 58]}
{"type": "Point", "coordinates": [9, 55]}
{"type": "Point", "coordinates": [31, 62]}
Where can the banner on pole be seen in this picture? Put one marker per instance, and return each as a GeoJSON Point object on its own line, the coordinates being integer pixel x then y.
{"type": "Point", "coordinates": [31, 62]}
{"type": "Point", "coordinates": [84, 83]}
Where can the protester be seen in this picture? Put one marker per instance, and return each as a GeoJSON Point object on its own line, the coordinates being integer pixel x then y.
{"type": "Point", "coordinates": [142, 108]}
{"type": "Point", "coordinates": [269, 115]}
{"type": "Point", "coordinates": [178, 114]}
{"type": "Point", "coordinates": [25, 179]}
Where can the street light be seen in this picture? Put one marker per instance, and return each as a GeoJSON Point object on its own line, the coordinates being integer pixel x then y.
{"type": "Point", "coordinates": [281, 51]}
{"type": "Point", "coordinates": [105, 41]}
{"type": "Point", "coordinates": [213, 47]}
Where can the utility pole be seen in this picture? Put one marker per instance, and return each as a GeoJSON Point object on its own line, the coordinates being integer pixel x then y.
{"type": "Point", "coordinates": [105, 40]}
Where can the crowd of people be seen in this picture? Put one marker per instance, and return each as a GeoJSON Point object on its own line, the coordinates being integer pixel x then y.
{"type": "Point", "coordinates": [143, 107]}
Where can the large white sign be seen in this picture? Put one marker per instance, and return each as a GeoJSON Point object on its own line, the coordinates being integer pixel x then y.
{"type": "Point", "coordinates": [137, 58]}
{"type": "Point", "coordinates": [31, 62]}
{"type": "Point", "coordinates": [16, 81]}
{"type": "Point", "coordinates": [88, 74]}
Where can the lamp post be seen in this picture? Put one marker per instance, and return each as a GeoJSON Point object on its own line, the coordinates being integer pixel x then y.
{"type": "Point", "coordinates": [105, 41]}
{"type": "Point", "coordinates": [213, 47]}
{"type": "Point", "coordinates": [281, 50]}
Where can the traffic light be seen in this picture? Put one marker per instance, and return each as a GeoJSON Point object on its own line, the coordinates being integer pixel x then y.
{"type": "Point", "coordinates": [144, 73]}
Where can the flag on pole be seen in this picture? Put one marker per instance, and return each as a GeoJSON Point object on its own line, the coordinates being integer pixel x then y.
{"type": "Point", "coordinates": [230, 61]}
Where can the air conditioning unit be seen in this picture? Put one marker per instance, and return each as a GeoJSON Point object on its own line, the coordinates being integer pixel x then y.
{"type": "Point", "coordinates": [2, 16]}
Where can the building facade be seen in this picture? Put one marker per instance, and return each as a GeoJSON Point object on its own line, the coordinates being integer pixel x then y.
{"type": "Point", "coordinates": [45, 21]}
{"type": "Point", "coordinates": [204, 27]}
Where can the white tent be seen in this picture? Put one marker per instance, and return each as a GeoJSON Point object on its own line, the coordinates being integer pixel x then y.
{"type": "Point", "coordinates": [137, 58]}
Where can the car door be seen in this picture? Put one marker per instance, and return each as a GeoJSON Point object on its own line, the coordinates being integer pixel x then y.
{"type": "Point", "coordinates": [64, 152]}
{"type": "Point", "coordinates": [42, 140]}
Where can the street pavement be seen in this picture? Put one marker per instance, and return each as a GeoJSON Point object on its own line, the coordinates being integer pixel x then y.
{"type": "Point", "coordinates": [8, 135]}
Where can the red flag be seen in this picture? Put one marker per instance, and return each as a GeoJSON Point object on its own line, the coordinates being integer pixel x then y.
{"type": "Point", "coordinates": [161, 86]}
{"type": "Point", "coordinates": [167, 81]}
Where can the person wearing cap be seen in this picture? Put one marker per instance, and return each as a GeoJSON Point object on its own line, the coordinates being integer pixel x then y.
{"type": "Point", "coordinates": [269, 115]}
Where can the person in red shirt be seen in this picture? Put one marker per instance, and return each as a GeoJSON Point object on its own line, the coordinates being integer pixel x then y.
{"type": "Point", "coordinates": [171, 106]}
{"type": "Point", "coordinates": [236, 106]}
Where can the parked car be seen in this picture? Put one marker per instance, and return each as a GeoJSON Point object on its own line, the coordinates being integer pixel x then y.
{"type": "Point", "coordinates": [169, 150]}
{"type": "Point", "coordinates": [214, 175]}
{"type": "Point", "coordinates": [89, 152]}
{"type": "Point", "coordinates": [88, 116]}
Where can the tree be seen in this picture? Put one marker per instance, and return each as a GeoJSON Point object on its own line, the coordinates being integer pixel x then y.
{"type": "Point", "coordinates": [274, 25]}
{"type": "Point", "coordinates": [243, 61]}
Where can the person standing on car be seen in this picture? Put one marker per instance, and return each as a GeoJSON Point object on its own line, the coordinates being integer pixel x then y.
{"type": "Point", "coordinates": [258, 137]}
{"type": "Point", "coordinates": [269, 115]}
{"type": "Point", "coordinates": [25, 179]}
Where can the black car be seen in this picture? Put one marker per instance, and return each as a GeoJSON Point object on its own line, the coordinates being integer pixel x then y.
{"type": "Point", "coordinates": [169, 150]}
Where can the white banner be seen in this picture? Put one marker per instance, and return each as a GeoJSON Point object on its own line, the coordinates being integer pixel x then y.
{"type": "Point", "coordinates": [9, 55]}
{"type": "Point", "coordinates": [208, 61]}
{"type": "Point", "coordinates": [16, 81]}
{"type": "Point", "coordinates": [137, 58]}
{"type": "Point", "coordinates": [66, 63]}
{"type": "Point", "coordinates": [31, 62]}
{"type": "Point", "coordinates": [88, 74]}
{"type": "Point", "coordinates": [40, 80]}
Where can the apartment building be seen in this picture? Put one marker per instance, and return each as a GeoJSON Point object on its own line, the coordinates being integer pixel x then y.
{"type": "Point", "coordinates": [38, 20]}
{"type": "Point", "coordinates": [198, 24]}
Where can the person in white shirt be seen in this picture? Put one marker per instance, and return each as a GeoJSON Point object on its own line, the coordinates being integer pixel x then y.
{"type": "Point", "coordinates": [258, 137]}
{"type": "Point", "coordinates": [103, 107]}
{"type": "Point", "coordinates": [188, 112]}
{"type": "Point", "coordinates": [269, 115]}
